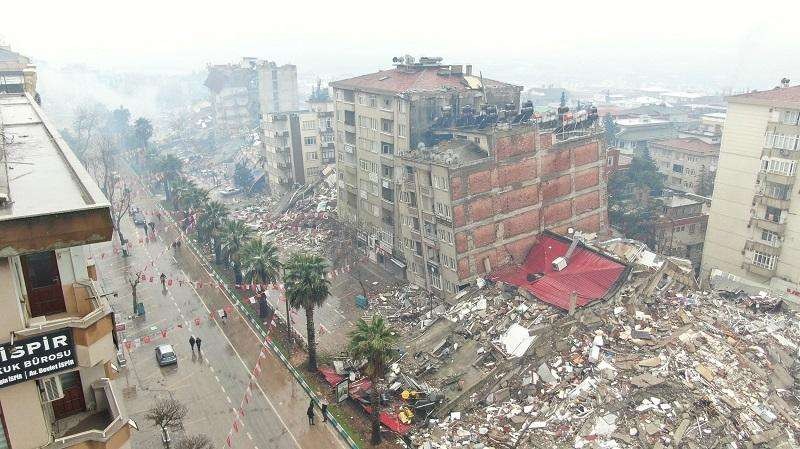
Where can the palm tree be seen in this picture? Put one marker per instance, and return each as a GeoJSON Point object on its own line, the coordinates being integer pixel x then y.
{"type": "Point", "coordinates": [196, 198]}
{"type": "Point", "coordinates": [211, 220]}
{"type": "Point", "coordinates": [170, 168]}
{"type": "Point", "coordinates": [234, 235]}
{"type": "Point", "coordinates": [374, 342]}
{"type": "Point", "coordinates": [260, 262]}
{"type": "Point", "coordinates": [307, 287]}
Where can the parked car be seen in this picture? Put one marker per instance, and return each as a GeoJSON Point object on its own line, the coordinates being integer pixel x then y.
{"type": "Point", "coordinates": [133, 210]}
{"type": "Point", "coordinates": [138, 219]}
{"type": "Point", "coordinates": [165, 355]}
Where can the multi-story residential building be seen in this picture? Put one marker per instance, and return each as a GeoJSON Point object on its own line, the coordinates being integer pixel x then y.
{"type": "Point", "coordinates": [57, 340]}
{"type": "Point", "coordinates": [242, 93]}
{"type": "Point", "coordinates": [277, 87]}
{"type": "Point", "coordinates": [17, 73]}
{"type": "Point", "coordinates": [688, 164]}
{"type": "Point", "coordinates": [635, 133]}
{"type": "Point", "coordinates": [752, 229]}
{"type": "Point", "coordinates": [452, 213]}
{"type": "Point", "coordinates": [478, 199]}
{"type": "Point", "coordinates": [234, 96]}
{"type": "Point", "coordinates": [297, 145]}
{"type": "Point", "coordinates": [680, 230]}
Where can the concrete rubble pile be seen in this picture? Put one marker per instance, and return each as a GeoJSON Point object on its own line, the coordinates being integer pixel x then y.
{"type": "Point", "coordinates": [680, 368]}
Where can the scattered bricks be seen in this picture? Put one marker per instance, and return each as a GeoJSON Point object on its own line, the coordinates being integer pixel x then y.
{"type": "Point", "coordinates": [459, 216]}
{"type": "Point", "coordinates": [587, 178]}
{"type": "Point", "coordinates": [518, 198]}
{"type": "Point", "coordinates": [555, 162]}
{"type": "Point", "coordinates": [509, 146]}
{"type": "Point", "coordinates": [525, 170]}
{"type": "Point", "coordinates": [462, 243]}
{"type": "Point", "coordinates": [557, 212]}
{"type": "Point", "coordinates": [518, 224]}
{"type": "Point", "coordinates": [586, 202]}
{"type": "Point", "coordinates": [557, 187]}
{"type": "Point", "coordinates": [479, 182]}
{"type": "Point", "coordinates": [480, 209]}
{"type": "Point", "coordinates": [586, 154]}
{"type": "Point", "coordinates": [484, 235]}
{"type": "Point", "coordinates": [457, 188]}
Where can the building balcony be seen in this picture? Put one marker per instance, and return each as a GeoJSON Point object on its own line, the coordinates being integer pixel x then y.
{"type": "Point", "coordinates": [751, 267]}
{"type": "Point", "coordinates": [780, 153]}
{"type": "Point", "coordinates": [777, 178]}
{"type": "Point", "coordinates": [425, 190]}
{"type": "Point", "coordinates": [102, 427]}
{"type": "Point", "coordinates": [771, 248]}
{"type": "Point", "coordinates": [769, 225]}
{"type": "Point", "coordinates": [778, 203]}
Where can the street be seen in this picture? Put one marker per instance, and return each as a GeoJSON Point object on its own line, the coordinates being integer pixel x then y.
{"type": "Point", "coordinates": [213, 382]}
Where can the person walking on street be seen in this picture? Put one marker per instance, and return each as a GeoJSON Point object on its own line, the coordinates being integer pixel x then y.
{"type": "Point", "coordinates": [163, 278]}
{"type": "Point", "coordinates": [191, 342]}
{"type": "Point", "coordinates": [310, 413]}
{"type": "Point", "coordinates": [152, 228]}
{"type": "Point", "coordinates": [197, 341]}
{"type": "Point", "coordinates": [323, 403]}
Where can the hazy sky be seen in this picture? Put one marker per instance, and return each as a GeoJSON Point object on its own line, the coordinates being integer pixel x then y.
{"type": "Point", "coordinates": [751, 44]}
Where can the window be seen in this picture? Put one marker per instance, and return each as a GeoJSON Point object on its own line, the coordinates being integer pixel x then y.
{"type": "Point", "coordinates": [309, 140]}
{"type": "Point", "coordinates": [370, 208]}
{"type": "Point", "coordinates": [386, 103]}
{"type": "Point", "coordinates": [373, 102]}
{"type": "Point", "coordinates": [387, 148]}
{"type": "Point", "coordinates": [789, 117]}
{"type": "Point", "coordinates": [309, 124]}
{"type": "Point", "coordinates": [777, 165]}
{"type": "Point", "coordinates": [769, 236]}
{"type": "Point", "coordinates": [691, 229]}
{"type": "Point", "coordinates": [444, 235]}
{"type": "Point", "coordinates": [777, 191]}
{"type": "Point", "coordinates": [368, 145]}
{"type": "Point", "coordinates": [387, 194]}
{"type": "Point", "coordinates": [312, 156]}
{"type": "Point", "coordinates": [387, 171]}
{"type": "Point", "coordinates": [339, 95]}
{"type": "Point", "coordinates": [443, 210]}
{"type": "Point", "coordinates": [362, 121]}
{"type": "Point", "coordinates": [764, 260]}
{"type": "Point", "coordinates": [409, 243]}
{"type": "Point", "coordinates": [773, 214]}
{"type": "Point", "coordinates": [781, 141]}
{"type": "Point", "coordinates": [439, 182]}
{"type": "Point", "coordinates": [679, 228]}
{"type": "Point", "coordinates": [610, 161]}
{"type": "Point", "coordinates": [401, 131]}
{"type": "Point", "coordinates": [43, 284]}
{"type": "Point", "coordinates": [677, 168]}
{"type": "Point", "coordinates": [387, 126]}
{"type": "Point", "coordinates": [362, 99]}
{"type": "Point", "coordinates": [311, 172]}
{"type": "Point", "coordinates": [449, 262]}
{"type": "Point", "coordinates": [368, 166]}
{"type": "Point", "coordinates": [436, 280]}
{"type": "Point", "coordinates": [411, 222]}
{"type": "Point", "coordinates": [370, 187]}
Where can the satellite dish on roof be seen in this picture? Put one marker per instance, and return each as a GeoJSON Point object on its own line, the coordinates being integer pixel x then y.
{"type": "Point", "coordinates": [570, 230]}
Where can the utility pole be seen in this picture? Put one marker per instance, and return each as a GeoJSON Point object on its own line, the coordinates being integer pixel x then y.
{"type": "Point", "coordinates": [289, 339]}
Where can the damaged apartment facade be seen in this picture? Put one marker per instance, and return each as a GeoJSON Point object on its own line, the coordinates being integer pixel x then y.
{"type": "Point", "coordinates": [446, 178]}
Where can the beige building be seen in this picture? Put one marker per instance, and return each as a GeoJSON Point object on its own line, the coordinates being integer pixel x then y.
{"type": "Point", "coordinates": [277, 87]}
{"type": "Point", "coordinates": [689, 164]}
{"type": "Point", "coordinates": [442, 179]}
{"type": "Point", "coordinates": [297, 146]}
{"type": "Point", "coordinates": [681, 229]}
{"type": "Point", "coordinates": [753, 231]}
{"type": "Point", "coordinates": [57, 340]}
{"type": "Point", "coordinates": [17, 73]}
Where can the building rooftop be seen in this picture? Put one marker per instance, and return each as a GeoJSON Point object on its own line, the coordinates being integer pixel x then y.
{"type": "Point", "coordinates": [39, 174]}
{"type": "Point", "coordinates": [680, 201]}
{"type": "Point", "coordinates": [412, 78]}
{"type": "Point", "coordinates": [640, 121]}
{"type": "Point", "coordinates": [689, 144]}
{"type": "Point", "coordinates": [779, 96]}
{"type": "Point", "coordinates": [450, 152]}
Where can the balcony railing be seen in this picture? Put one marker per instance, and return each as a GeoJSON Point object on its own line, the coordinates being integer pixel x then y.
{"type": "Point", "coordinates": [780, 153]}
{"type": "Point", "coordinates": [769, 225]}
{"type": "Point", "coordinates": [751, 267]}
{"type": "Point", "coordinates": [771, 248]}
{"type": "Point", "coordinates": [98, 426]}
{"type": "Point", "coordinates": [778, 178]}
{"type": "Point", "coordinates": [769, 201]}
{"type": "Point", "coordinates": [91, 307]}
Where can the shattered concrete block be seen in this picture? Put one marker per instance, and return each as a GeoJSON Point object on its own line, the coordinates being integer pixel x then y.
{"type": "Point", "coordinates": [704, 371]}
{"type": "Point", "coordinates": [764, 437]}
{"type": "Point", "coordinates": [646, 380]}
{"type": "Point", "coordinates": [651, 362]}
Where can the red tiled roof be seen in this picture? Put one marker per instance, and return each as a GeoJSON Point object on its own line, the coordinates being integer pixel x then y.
{"type": "Point", "coordinates": [691, 144]}
{"type": "Point", "coordinates": [405, 80]}
{"type": "Point", "coordinates": [782, 95]}
{"type": "Point", "coordinates": [590, 274]}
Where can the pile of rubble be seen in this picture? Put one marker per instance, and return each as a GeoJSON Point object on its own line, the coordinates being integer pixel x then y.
{"type": "Point", "coordinates": [678, 368]}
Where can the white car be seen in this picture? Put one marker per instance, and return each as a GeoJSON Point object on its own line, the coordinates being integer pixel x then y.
{"type": "Point", "coordinates": [165, 355]}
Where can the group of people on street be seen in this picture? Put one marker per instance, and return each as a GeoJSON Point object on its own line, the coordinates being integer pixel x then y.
{"type": "Point", "coordinates": [195, 341]}
{"type": "Point", "coordinates": [323, 404]}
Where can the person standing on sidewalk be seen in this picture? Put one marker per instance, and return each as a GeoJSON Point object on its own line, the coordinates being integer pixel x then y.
{"type": "Point", "coordinates": [191, 343]}
{"type": "Point", "coordinates": [310, 413]}
{"type": "Point", "coordinates": [323, 403]}
{"type": "Point", "coordinates": [197, 341]}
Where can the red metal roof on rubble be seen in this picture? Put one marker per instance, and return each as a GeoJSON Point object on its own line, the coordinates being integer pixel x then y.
{"type": "Point", "coordinates": [590, 274]}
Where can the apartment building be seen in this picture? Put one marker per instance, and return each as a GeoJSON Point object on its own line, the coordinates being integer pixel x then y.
{"type": "Point", "coordinates": [688, 164]}
{"type": "Point", "coordinates": [17, 73]}
{"type": "Point", "coordinates": [635, 133]}
{"type": "Point", "coordinates": [752, 229]}
{"type": "Point", "coordinates": [57, 338]}
{"type": "Point", "coordinates": [681, 229]}
{"type": "Point", "coordinates": [478, 199]}
{"type": "Point", "coordinates": [387, 113]}
{"type": "Point", "coordinates": [277, 87]}
{"type": "Point", "coordinates": [298, 145]}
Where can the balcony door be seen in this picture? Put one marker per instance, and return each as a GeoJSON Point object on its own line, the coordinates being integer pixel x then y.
{"type": "Point", "coordinates": [43, 284]}
{"type": "Point", "coordinates": [73, 401]}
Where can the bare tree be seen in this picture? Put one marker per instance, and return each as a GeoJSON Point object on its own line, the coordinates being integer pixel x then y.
{"type": "Point", "coordinates": [199, 441]}
{"type": "Point", "coordinates": [133, 281]}
{"type": "Point", "coordinates": [87, 121]}
{"type": "Point", "coordinates": [103, 163]}
{"type": "Point", "coordinates": [167, 414]}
